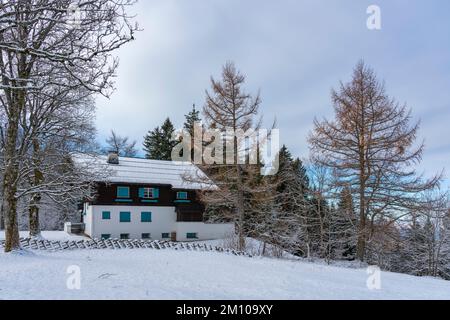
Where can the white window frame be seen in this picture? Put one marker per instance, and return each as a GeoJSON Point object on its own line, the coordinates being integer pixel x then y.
{"type": "Point", "coordinates": [148, 193]}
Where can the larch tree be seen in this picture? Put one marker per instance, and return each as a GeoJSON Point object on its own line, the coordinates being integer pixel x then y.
{"type": "Point", "coordinates": [37, 38]}
{"type": "Point", "coordinates": [370, 147]}
{"type": "Point", "coordinates": [228, 108]}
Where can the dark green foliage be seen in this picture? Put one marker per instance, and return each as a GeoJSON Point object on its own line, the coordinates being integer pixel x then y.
{"type": "Point", "coordinates": [191, 118]}
{"type": "Point", "coordinates": [159, 142]}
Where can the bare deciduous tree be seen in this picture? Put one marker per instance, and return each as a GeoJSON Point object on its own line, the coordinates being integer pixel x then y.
{"type": "Point", "coordinates": [121, 145]}
{"type": "Point", "coordinates": [370, 148]}
{"type": "Point", "coordinates": [36, 40]}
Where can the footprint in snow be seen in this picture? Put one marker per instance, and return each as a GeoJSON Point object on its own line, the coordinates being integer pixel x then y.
{"type": "Point", "coordinates": [106, 275]}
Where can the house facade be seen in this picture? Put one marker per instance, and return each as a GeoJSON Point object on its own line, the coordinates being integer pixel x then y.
{"type": "Point", "coordinates": [148, 199]}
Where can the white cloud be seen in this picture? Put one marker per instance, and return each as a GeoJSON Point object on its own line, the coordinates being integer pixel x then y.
{"type": "Point", "coordinates": [294, 51]}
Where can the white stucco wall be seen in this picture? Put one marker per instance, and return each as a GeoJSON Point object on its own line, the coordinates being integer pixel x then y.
{"type": "Point", "coordinates": [205, 231]}
{"type": "Point", "coordinates": [87, 219]}
{"type": "Point", "coordinates": [163, 221]}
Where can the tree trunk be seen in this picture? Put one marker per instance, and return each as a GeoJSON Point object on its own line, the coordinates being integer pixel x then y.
{"type": "Point", "coordinates": [11, 174]}
{"type": "Point", "coordinates": [240, 193]}
{"type": "Point", "coordinates": [241, 218]}
{"type": "Point", "coordinates": [10, 209]}
{"type": "Point", "coordinates": [361, 243]}
{"type": "Point", "coordinates": [2, 219]}
{"type": "Point", "coordinates": [33, 209]}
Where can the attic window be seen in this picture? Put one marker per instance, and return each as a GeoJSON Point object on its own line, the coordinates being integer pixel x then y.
{"type": "Point", "coordinates": [149, 193]}
{"type": "Point", "coordinates": [182, 195]}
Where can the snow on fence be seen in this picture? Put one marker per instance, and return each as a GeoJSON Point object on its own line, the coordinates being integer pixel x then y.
{"type": "Point", "coordinates": [117, 244]}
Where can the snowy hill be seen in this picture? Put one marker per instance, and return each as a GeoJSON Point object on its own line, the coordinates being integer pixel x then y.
{"type": "Point", "coordinates": [170, 274]}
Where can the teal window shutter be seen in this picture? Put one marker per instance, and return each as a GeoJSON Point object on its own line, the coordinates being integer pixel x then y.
{"type": "Point", "coordinates": [191, 235]}
{"type": "Point", "coordinates": [146, 217]}
{"type": "Point", "coordinates": [125, 217]}
{"type": "Point", "coordinates": [105, 236]}
{"type": "Point", "coordinates": [106, 215]}
{"type": "Point", "coordinates": [141, 193]}
{"type": "Point", "coordinates": [155, 193]}
{"type": "Point", "coordinates": [123, 192]}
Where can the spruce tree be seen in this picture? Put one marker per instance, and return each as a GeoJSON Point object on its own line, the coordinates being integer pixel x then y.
{"type": "Point", "coordinates": [283, 221]}
{"type": "Point", "coordinates": [343, 224]}
{"type": "Point", "coordinates": [191, 118]}
{"type": "Point", "coordinates": [159, 142]}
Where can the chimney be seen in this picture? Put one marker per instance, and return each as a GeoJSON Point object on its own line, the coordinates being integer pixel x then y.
{"type": "Point", "coordinates": [113, 157]}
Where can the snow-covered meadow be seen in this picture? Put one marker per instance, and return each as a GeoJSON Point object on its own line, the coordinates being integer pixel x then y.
{"type": "Point", "coordinates": [170, 274]}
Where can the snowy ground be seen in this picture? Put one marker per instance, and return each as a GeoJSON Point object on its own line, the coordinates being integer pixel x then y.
{"type": "Point", "coordinates": [49, 235]}
{"type": "Point", "coordinates": [170, 274]}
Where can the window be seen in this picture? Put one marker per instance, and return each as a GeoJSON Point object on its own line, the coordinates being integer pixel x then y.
{"type": "Point", "coordinates": [149, 193]}
{"type": "Point", "coordinates": [105, 236]}
{"type": "Point", "coordinates": [165, 235]}
{"type": "Point", "coordinates": [123, 192]}
{"type": "Point", "coordinates": [146, 236]}
{"type": "Point", "coordinates": [124, 236]}
{"type": "Point", "coordinates": [125, 217]}
{"type": "Point", "coordinates": [191, 235]}
{"type": "Point", "coordinates": [146, 217]}
{"type": "Point", "coordinates": [182, 195]}
{"type": "Point", "coordinates": [106, 215]}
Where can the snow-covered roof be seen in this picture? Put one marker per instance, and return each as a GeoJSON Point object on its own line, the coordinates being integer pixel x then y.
{"type": "Point", "coordinates": [180, 175]}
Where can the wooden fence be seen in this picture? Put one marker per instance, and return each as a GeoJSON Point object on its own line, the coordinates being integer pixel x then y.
{"type": "Point", "coordinates": [117, 244]}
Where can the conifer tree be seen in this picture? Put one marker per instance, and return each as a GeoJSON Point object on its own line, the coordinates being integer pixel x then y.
{"type": "Point", "coordinates": [229, 107]}
{"type": "Point", "coordinates": [371, 146]}
{"type": "Point", "coordinates": [342, 227]}
{"type": "Point", "coordinates": [159, 142]}
{"type": "Point", "coordinates": [191, 118]}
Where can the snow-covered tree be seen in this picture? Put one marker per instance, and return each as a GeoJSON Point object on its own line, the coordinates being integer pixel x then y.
{"type": "Point", "coordinates": [283, 223]}
{"type": "Point", "coordinates": [41, 44]}
{"type": "Point", "coordinates": [425, 247]}
{"type": "Point", "coordinates": [342, 228]}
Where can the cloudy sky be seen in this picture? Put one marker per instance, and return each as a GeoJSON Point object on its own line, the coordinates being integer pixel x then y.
{"type": "Point", "coordinates": [294, 51]}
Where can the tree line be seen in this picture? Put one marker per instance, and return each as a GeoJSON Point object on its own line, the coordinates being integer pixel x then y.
{"type": "Point", "coordinates": [358, 197]}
